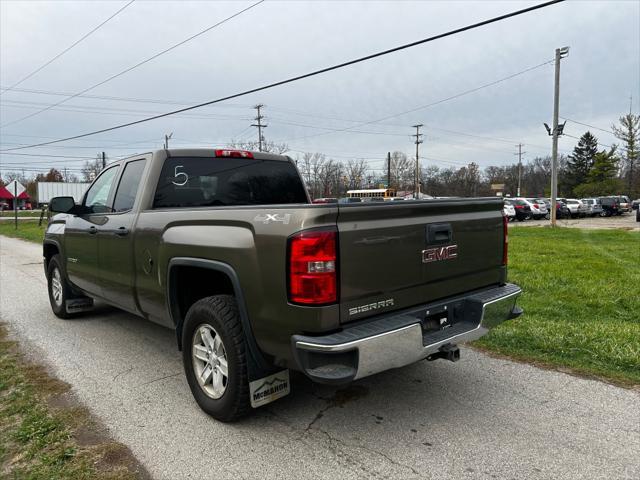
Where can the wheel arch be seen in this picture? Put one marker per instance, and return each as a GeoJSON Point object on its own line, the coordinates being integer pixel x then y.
{"type": "Point", "coordinates": [49, 249]}
{"type": "Point", "coordinates": [177, 310]}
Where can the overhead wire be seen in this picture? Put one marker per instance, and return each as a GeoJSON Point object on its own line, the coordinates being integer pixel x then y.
{"type": "Point", "coordinates": [112, 77]}
{"type": "Point", "coordinates": [307, 75]}
{"type": "Point", "coordinates": [77, 42]}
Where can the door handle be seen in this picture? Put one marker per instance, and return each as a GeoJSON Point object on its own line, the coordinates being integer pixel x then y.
{"type": "Point", "coordinates": [122, 231]}
{"type": "Point", "coordinates": [93, 230]}
{"type": "Point", "coordinates": [438, 233]}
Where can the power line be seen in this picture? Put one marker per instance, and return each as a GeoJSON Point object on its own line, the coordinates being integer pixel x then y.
{"type": "Point", "coordinates": [49, 62]}
{"type": "Point", "coordinates": [310, 74]}
{"type": "Point", "coordinates": [120, 99]}
{"type": "Point", "coordinates": [112, 77]}
{"type": "Point", "coordinates": [432, 104]}
{"type": "Point", "coordinates": [578, 138]}
{"type": "Point", "coordinates": [587, 125]}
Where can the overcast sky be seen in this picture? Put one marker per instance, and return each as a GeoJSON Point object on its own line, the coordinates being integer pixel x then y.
{"type": "Point", "coordinates": [278, 39]}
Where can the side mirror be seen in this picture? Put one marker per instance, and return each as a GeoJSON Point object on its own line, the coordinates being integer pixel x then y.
{"type": "Point", "coordinates": [62, 204]}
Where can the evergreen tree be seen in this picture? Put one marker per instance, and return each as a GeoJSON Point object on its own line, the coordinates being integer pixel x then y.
{"type": "Point", "coordinates": [581, 161]}
{"type": "Point", "coordinates": [628, 132]}
{"type": "Point", "coordinates": [605, 166]}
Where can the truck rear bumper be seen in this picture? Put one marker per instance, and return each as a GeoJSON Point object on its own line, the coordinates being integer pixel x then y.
{"type": "Point", "coordinates": [401, 338]}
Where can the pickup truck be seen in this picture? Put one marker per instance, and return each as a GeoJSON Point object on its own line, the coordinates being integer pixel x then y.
{"type": "Point", "coordinates": [225, 248]}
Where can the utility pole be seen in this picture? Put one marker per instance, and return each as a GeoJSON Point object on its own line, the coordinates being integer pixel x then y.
{"type": "Point", "coordinates": [104, 160]}
{"type": "Point", "coordinates": [259, 125]}
{"type": "Point", "coordinates": [560, 53]}
{"type": "Point", "coordinates": [388, 169]}
{"type": "Point", "coordinates": [418, 141]}
{"type": "Point", "coordinates": [166, 140]}
{"type": "Point", "coordinates": [520, 153]}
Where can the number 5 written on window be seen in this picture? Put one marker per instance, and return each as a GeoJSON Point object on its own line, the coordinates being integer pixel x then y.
{"type": "Point", "coordinates": [178, 175]}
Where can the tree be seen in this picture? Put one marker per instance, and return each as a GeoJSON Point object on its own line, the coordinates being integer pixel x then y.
{"type": "Point", "coordinates": [605, 166]}
{"type": "Point", "coordinates": [580, 161]}
{"type": "Point", "coordinates": [628, 132]}
{"type": "Point", "coordinates": [602, 179]}
{"type": "Point", "coordinates": [92, 168]}
{"type": "Point", "coordinates": [400, 171]}
{"type": "Point", "coordinates": [356, 171]}
{"type": "Point", "coordinates": [254, 146]}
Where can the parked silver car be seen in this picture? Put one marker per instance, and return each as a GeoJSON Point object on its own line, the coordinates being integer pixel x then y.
{"type": "Point", "coordinates": [577, 208]}
{"type": "Point", "coordinates": [538, 209]}
{"type": "Point", "coordinates": [594, 205]}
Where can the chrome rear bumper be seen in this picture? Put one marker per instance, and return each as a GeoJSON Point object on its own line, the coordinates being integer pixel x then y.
{"type": "Point", "coordinates": [391, 341]}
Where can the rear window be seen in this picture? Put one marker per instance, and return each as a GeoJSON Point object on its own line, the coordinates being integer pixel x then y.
{"type": "Point", "coordinates": [207, 182]}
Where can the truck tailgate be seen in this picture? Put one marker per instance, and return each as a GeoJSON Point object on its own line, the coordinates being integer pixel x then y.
{"type": "Point", "coordinates": [399, 254]}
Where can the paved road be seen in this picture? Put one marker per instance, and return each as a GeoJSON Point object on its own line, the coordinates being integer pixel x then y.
{"type": "Point", "coordinates": [479, 418]}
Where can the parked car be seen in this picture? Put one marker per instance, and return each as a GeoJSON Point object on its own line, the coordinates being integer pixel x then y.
{"type": "Point", "coordinates": [635, 204]}
{"type": "Point", "coordinates": [594, 205]}
{"type": "Point", "coordinates": [576, 207]}
{"type": "Point", "coordinates": [325, 200]}
{"type": "Point", "coordinates": [562, 211]}
{"type": "Point", "coordinates": [609, 206]}
{"type": "Point", "coordinates": [624, 204]}
{"type": "Point", "coordinates": [538, 209]}
{"type": "Point", "coordinates": [350, 200]}
{"type": "Point", "coordinates": [522, 208]}
{"type": "Point", "coordinates": [509, 211]}
{"type": "Point", "coordinates": [224, 248]}
{"type": "Point", "coordinates": [637, 214]}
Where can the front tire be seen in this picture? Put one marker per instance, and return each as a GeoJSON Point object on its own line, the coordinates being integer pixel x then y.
{"type": "Point", "coordinates": [214, 357]}
{"type": "Point", "coordinates": [59, 289]}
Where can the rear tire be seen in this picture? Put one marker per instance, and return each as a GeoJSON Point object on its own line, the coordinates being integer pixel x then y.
{"type": "Point", "coordinates": [59, 288]}
{"type": "Point", "coordinates": [213, 345]}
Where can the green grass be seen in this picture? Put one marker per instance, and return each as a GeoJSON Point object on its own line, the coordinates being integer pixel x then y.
{"type": "Point", "coordinates": [38, 441]}
{"type": "Point", "coordinates": [27, 230]}
{"type": "Point", "coordinates": [581, 300]}
{"type": "Point", "coordinates": [21, 213]}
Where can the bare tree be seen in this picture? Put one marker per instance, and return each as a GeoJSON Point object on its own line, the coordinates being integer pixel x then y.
{"type": "Point", "coordinates": [252, 145]}
{"type": "Point", "coordinates": [356, 170]}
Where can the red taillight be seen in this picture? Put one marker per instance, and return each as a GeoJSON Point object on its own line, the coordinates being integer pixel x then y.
{"type": "Point", "coordinates": [535, 205]}
{"type": "Point", "coordinates": [313, 278]}
{"type": "Point", "coordinates": [505, 231]}
{"type": "Point", "coordinates": [234, 153]}
{"type": "Point", "coordinates": [519, 206]}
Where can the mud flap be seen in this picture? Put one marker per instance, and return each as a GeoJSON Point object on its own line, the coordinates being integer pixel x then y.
{"type": "Point", "coordinates": [76, 305]}
{"type": "Point", "coordinates": [268, 389]}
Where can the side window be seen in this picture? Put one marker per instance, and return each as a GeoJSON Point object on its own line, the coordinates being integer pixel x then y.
{"type": "Point", "coordinates": [128, 187]}
{"type": "Point", "coordinates": [98, 193]}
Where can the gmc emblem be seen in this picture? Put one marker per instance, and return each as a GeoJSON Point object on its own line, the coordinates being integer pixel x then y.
{"type": "Point", "coordinates": [439, 253]}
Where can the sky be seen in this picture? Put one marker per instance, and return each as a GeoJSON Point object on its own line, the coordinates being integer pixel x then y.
{"type": "Point", "coordinates": [338, 113]}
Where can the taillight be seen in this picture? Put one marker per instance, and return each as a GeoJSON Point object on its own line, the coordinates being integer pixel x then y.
{"type": "Point", "coordinates": [519, 206]}
{"type": "Point", "coordinates": [234, 153]}
{"type": "Point", "coordinates": [505, 231]}
{"type": "Point", "coordinates": [313, 278]}
{"type": "Point", "coordinates": [535, 205]}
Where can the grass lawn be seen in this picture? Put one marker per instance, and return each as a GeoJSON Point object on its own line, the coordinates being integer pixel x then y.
{"type": "Point", "coordinates": [21, 213]}
{"type": "Point", "coordinates": [581, 301]}
{"type": "Point", "coordinates": [43, 437]}
{"type": "Point", "coordinates": [27, 229]}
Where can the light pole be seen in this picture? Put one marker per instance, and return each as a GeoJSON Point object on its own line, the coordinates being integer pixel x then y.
{"type": "Point", "coordinates": [555, 132]}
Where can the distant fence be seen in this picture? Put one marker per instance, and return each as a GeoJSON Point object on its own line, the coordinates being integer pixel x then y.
{"type": "Point", "coordinates": [48, 190]}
